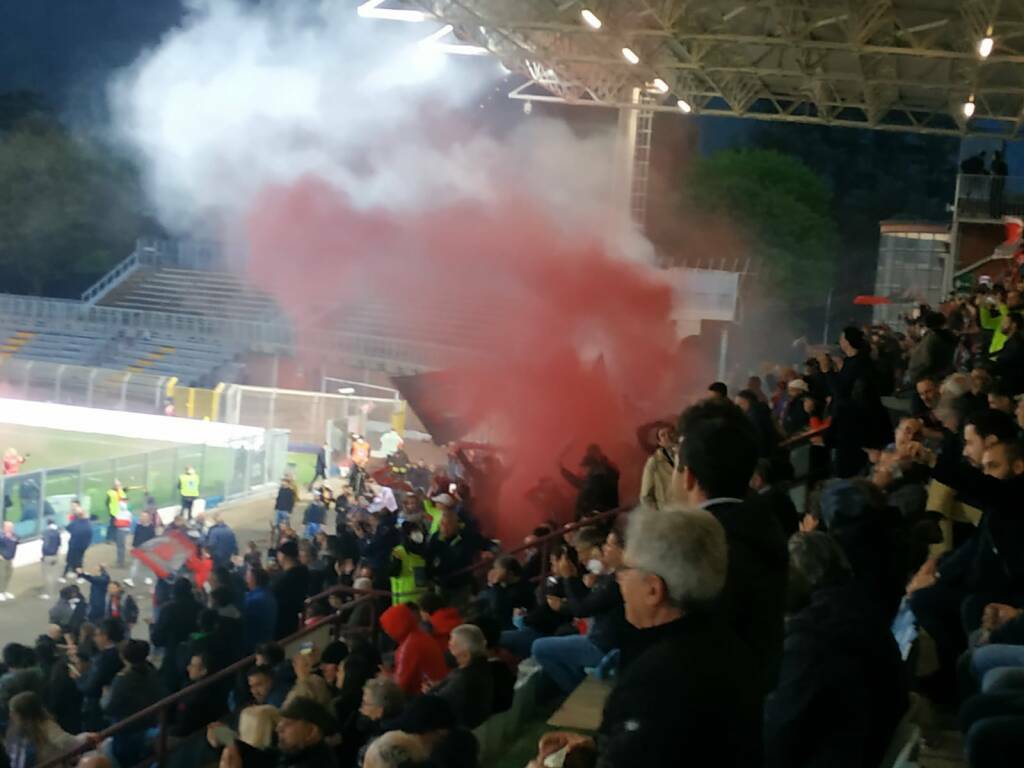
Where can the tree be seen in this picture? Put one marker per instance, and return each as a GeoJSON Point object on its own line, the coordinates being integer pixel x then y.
{"type": "Point", "coordinates": [69, 210]}
{"type": "Point", "coordinates": [783, 210]}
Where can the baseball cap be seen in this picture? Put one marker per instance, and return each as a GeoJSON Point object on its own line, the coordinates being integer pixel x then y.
{"type": "Point", "coordinates": [798, 384]}
{"type": "Point", "coordinates": [444, 499]}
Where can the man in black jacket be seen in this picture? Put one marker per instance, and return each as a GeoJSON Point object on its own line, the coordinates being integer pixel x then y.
{"type": "Point", "coordinates": [691, 695]}
{"type": "Point", "coordinates": [469, 688]}
{"type": "Point", "coordinates": [948, 596]}
{"type": "Point", "coordinates": [177, 620]}
{"type": "Point", "coordinates": [103, 668]}
{"type": "Point", "coordinates": [451, 551]}
{"type": "Point", "coordinates": [564, 659]}
{"type": "Point", "coordinates": [718, 455]}
{"type": "Point", "coordinates": [1009, 363]}
{"type": "Point", "coordinates": [301, 734]}
{"type": "Point", "coordinates": [842, 689]}
{"type": "Point", "coordinates": [290, 589]}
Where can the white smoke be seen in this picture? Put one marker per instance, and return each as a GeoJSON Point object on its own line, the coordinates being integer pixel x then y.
{"type": "Point", "coordinates": [242, 96]}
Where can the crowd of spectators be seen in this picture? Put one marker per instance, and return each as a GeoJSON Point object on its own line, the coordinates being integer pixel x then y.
{"type": "Point", "coordinates": [735, 626]}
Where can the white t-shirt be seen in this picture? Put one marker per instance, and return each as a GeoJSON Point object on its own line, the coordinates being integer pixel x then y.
{"type": "Point", "coordinates": [385, 499]}
{"type": "Point", "coordinates": [390, 442]}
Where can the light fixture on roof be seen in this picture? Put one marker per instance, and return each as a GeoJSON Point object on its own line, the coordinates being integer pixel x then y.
{"type": "Point", "coordinates": [986, 44]}
{"type": "Point", "coordinates": [969, 106]}
{"type": "Point", "coordinates": [630, 55]}
{"type": "Point", "coordinates": [590, 18]}
{"type": "Point", "coordinates": [346, 390]}
{"type": "Point", "coordinates": [371, 10]}
{"type": "Point", "coordinates": [684, 105]}
{"type": "Point", "coordinates": [659, 85]}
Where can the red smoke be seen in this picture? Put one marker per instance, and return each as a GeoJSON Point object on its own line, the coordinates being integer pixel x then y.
{"type": "Point", "coordinates": [580, 345]}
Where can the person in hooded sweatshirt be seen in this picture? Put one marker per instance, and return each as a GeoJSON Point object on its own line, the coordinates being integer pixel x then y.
{"type": "Point", "coordinates": [439, 618]}
{"type": "Point", "coordinates": [418, 659]}
{"type": "Point", "coordinates": [842, 689]}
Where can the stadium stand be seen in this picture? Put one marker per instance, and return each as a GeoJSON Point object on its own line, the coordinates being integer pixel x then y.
{"type": "Point", "coordinates": [191, 291]}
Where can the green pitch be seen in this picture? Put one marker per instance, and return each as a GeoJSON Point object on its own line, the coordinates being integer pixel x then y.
{"type": "Point", "coordinates": [62, 464]}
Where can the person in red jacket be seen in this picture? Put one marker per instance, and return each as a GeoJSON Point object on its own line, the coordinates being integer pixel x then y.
{"type": "Point", "coordinates": [418, 660]}
{"type": "Point", "coordinates": [440, 617]}
{"type": "Point", "coordinates": [201, 566]}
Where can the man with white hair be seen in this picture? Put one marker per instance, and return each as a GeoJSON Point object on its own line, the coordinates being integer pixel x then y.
{"type": "Point", "coordinates": [689, 691]}
{"type": "Point", "coordinates": [395, 749]}
{"type": "Point", "coordinates": [469, 688]}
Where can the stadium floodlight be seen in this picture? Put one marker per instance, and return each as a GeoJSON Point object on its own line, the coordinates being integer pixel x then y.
{"type": "Point", "coordinates": [684, 105]}
{"type": "Point", "coordinates": [659, 85]}
{"type": "Point", "coordinates": [969, 107]}
{"type": "Point", "coordinates": [630, 55]}
{"type": "Point", "coordinates": [590, 18]}
{"type": "Point", "coordinates": [346, 390]}
{"type": "Point", "coordinates": [986, 45]}
{"type": "Point", "coordinates": [371, 10]}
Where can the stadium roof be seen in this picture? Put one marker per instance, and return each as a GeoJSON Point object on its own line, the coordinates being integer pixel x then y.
{"type": "Point", "coordinates": [902, 65]}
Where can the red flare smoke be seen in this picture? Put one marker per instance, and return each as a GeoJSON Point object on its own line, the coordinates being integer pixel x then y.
{"type": "Point", "coordinates": [578, 346]}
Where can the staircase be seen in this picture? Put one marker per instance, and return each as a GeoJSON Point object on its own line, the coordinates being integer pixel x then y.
{"type": "Point", "coordinates": [150, 359]}
{"type": "Point", "coordinates": [13, 343]}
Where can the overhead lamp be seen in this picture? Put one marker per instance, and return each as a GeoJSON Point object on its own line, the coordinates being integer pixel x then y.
{"type": "Point", "coordinates": [684, 105]}
{"type": "Point", "coordinates": [986, 44]}
{"type": "Point", "coordinates": [346, 390]}
{"type": "Point", "coordinates": [371, 10]}
{"type": "Point", "coordinates": [969, 106]}
{"type": "Point", "coordinates": [630, 55]}
{"type": "Point", "coordinates": [590, 18]}
{"type": "Point", "coordinates": [659, 85]}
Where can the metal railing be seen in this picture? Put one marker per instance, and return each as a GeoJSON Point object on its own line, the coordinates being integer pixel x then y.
{"type": "Point", "coordinates": [29, 379]}
{"type": "Point", "coordinates": [225, 472]}
{"type": "Point", "coordinates": [989, 198]}
{"type": "Point", "coordinates": [112, 279]}
{"type": "Point", "coordinates": [68, 314]}
{"type": "Point", "coordinates": [161, 709]}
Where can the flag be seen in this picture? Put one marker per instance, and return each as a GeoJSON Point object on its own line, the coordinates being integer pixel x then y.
{"type": "Point", "coordinates": [165, 554]}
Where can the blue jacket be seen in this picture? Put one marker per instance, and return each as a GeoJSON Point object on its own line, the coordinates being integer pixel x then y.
{"type": "Point", "coordinates": [259, 618]}
{"type": "Point", "coordinates": [51, 541]}
{"type": "Point", "coordinates": [221, 542]}
{"type": "Point", "coordinates": [8, 547]}
{"type": "Point", "coordinates": [80, 530]}
{"type": "Point", "coordinates": [97, 594]}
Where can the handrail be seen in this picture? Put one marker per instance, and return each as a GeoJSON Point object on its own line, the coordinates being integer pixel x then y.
{"type": "Point", "coordinates": [800, 437]}
{"type": "Point", "coordinates": [112, 278]}
{"type": "Point", "coordinates": [161, 707]}
{"type": "Point", "coordinates": [541, 541]}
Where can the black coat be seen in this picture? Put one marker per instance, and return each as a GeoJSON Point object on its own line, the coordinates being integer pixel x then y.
{"type": "Point", "coordinates": [501, 600]}
{"type": "Point", "coordinates": [754, 598]}
{"type": "Point", "coordinates": [603, 604]}
{"type": "Point", "coordinates": [1009, 364]}
{"type": "Point", "coordinates": [690, 697]}
{"type": "Point", "coordinates": [470, 691]}
{"type": "Point", "coordinates": [177, 620]}
{"type": "Point", "coordinates": [134, 689]}
{"type": "Point", "coordinates": [598, 488]}
{"type": "Point", "coordinates": [859, 420]}
{"type": "Point", "coordinates": [842, 688]}
{"type": "Point", "coordinates": [290, 590]}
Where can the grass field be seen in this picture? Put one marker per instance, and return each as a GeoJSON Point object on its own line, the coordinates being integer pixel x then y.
{"type": "Point", "coordinates": [51, 448]}
{"type": "Point", "coordinates": [62, 464]}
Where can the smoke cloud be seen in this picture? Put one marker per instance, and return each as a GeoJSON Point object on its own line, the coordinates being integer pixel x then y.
{"type": "Point", "coordinates": [338, 153]}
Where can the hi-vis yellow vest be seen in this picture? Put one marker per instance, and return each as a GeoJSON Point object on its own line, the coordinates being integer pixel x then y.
{"type": "Point", "coordinates": [411, 581]}
{"type": "Point", "coordinates": [189, 485]}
